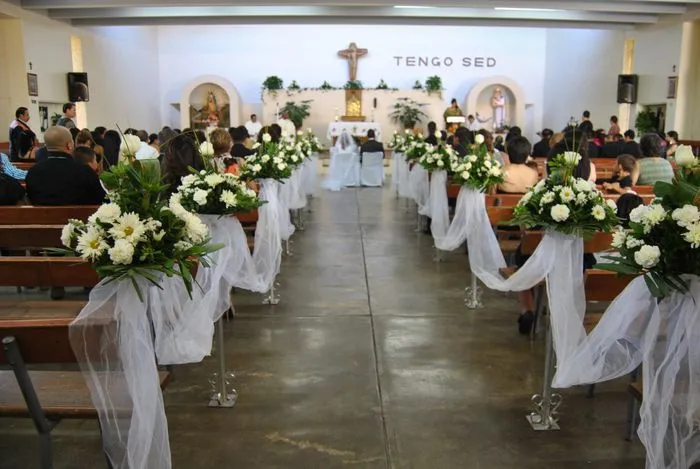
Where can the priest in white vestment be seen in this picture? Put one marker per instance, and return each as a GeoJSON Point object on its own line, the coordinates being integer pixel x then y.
{"type": "Point", "coordinates": [253, 126]}
{"type": "Point", "coordinates": [288, 127]}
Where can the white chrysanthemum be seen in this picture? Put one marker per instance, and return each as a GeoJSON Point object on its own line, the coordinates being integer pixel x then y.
{"type": "Point", "coordinates": [152, 225]}
{"type": "Point", "coordinates": [295, 158]}
{"type": "Point", "coordinates": [539, 186]}
{"type": "Point", "coordinates": [582, 185]}
{"type": "Point", "coordinates": [266, 138]}
{"type": "Point", "coordinates": [495, 171]}
{"type": "Point", "coordinates": [560, 213]}
{"type": "Point", "coordinates": [122, 252]}
{"type": "Point", "coordinates": [131, 144]}
{"type": "Point", "coordinates": [525, 199]}
{"type": "Point", "coordinates": [195, 230]}
{"type": "Point", "coordinates": [106, 213]}
{"type": "Point", "coordinates": [206, 149]}
{"type": "Point", "coordinates": [572, 157]}
{"type": "Point", "coordinates": [619, 238]}
{"type": "Point", "coordinates": [67, 234]}
{"type": "Point", "coordinates": [581, 198]}
{"type": "Point", "coordinates": [257, 168]}
{"type": "Point", "coordinates": [692, 236]}
{"type": "Point", "coordinates": [129, 227]}
{"type": "Point", "coordinates": [487, 163]}
{"type": "Point", "coordinates": [632, 242]}
{"type": "Point", "coordinates": [478, 139]}
{"type": "Point", "coordinates": [440, 163]}
{"type": "Point", "coordinates": [686, 216]}
{"type": "Point", "coordinates": [189, 180]}
{"type": "Point", "coordinates": [598, 212]}
{"type": "Point", "coordinates": [281, 166]}
{"type": "Point", "coordinates": [213, 180]}
{"type": "Point", "coordinates": [228, 198]}
{"type": "Point", "coordinates": [647, 256]}
{"type": "Point", "coordinates": [548, 198]}
{"type": "Point", "coordinates": [91, 244]}
{"type": "Point", "coordinates": [177, 208]}
{"type": "Point", "coordinates": [684, 156]}
{"type": "Point", "coordinates": [638, 213]}
{"type": "Point", "coordinates": [200, 196]}
{"type": "Point", "coordinates": [465, 175]}
{"type": "Point", "coordinates": [183, 245]}
{"type": "Point", "coordinates": [611, 203]}
{"type": "Point", "coordinates": [431, 160]}
{"type": "Point", "coordinates": [653, 216]}
{"type": "Point", "coordinates": [472, 158]}
{"type": "Point", "coordinates": [567, 194]}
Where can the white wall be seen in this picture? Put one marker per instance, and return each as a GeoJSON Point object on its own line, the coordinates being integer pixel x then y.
{"type": "Point", "coordinates": [656, 51]}
{"type": "Point", "coordinates": [246, 55]}
{"type": "Point", "coordinates": [122, 67]}
{"type": "Point", "coordinates": [581, 74]}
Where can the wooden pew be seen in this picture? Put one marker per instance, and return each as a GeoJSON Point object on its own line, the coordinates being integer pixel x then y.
{"type": "Point", "coordinates": [24, 165]}
{"type": "Point", "coordinates": [249, 222]}
{"type": "Point", "coordinates": [46, 271]}
{"type": "Point", "coordinates": [44, 396]}
{"type": "Point", "coordinates": [36, 215]}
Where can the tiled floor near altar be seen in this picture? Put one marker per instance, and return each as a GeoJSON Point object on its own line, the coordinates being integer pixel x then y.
{"type": "Point", "coordinates": [371, 361]}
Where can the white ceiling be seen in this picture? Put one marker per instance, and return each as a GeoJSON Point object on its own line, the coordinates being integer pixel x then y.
{"type": "Point", "coordinates": [549, 13]}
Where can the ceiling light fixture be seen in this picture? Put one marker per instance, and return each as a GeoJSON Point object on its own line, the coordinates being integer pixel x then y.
{"type": "Point", "coordinates": [525, 9]}
{"type": "Point", "coordinates": [412, 7]}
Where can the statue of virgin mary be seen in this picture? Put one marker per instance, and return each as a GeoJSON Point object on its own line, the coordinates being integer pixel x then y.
{"type": "Point", "coordinates": [498, 103]}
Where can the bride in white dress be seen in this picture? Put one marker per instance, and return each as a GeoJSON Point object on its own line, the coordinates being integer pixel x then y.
{"type": "Point", "coordinates": [344, 160]}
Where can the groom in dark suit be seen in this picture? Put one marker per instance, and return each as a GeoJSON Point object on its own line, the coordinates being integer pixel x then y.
{"type": "Point", "coordinates": [371, 145]}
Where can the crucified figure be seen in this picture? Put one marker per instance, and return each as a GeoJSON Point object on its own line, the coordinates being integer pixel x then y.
{"type": "Point", "coordinates": [352, 54]}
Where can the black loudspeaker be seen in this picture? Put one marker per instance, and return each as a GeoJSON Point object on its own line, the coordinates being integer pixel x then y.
{"type": "Point", "coordinates": [627, 88]}
{"type": "Point", "coordinates": [78, 90]}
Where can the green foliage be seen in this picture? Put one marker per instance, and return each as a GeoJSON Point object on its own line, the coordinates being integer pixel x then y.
{"type": "Point", "coordinates": [478, 170]}
{"type": "Point", "coordinates": [294, 86]}
{"type": "Point", "coordinates": [327, 86]}
{"type": "Point", "coordinates": [297, 112]}
{"type": "Point", "coordinates": [354, 85]}
{"type": "Point", "coordinates": [418, 85]}
{"type": "Point", "coordinates": [382, 85]}
{"type": "Point", "coordinates": [646, 121]}
{"type": "Point", "coordinates": [433, 84]}
{"type": "Point", "coordinates": [273, 83]}
{"type": "Point", "coordinates": [407, 113]}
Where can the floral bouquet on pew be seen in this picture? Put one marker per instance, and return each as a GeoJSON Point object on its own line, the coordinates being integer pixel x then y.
{"type": "Point", "coordinates": [397, 142]}
{"type": "Point", "coordinates": [441, 157]}
{"type": "Point", "coordinates": [663, 242]}
{"type": "Point", "coordinates": [267, 164]}
{"type": "Point", "coordinates": [566, 204]}
{"type": "Point", "coordinates": [478, 170]}
{"type": "Point", "coordinates": [211, 193]}
{"type": "Point", "coordinates": [309, 142]}
{"type": "Point", "coordinates": [291, 150]}
{"type": "Point", "coordinates": [138, 234]}
{"type": "Point", "coordinates": [415, 149]}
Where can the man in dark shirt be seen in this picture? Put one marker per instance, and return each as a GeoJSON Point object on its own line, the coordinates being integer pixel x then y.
{"type": "Point", "coordinates": [432, 138]}
{"type": "Point", "coordinates": [462, 138]}
{"type": "Point", "coordinates": [630, 147]}
{"type": "Point", "coordinates": [239, 150]}
{"type": "Point", "coordinates": [371, 145]}
{"type": "Point", "coordinates": [60, 180]}
{"type": "Point", "coordinates": [586, 126]}
{"type": "Point", "coordinates": [613, 148]}
{"type": "Point", "coordinates": [542, 148]}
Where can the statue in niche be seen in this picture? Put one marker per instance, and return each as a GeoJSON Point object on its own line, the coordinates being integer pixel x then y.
{"type": "Point", "coordinates": [498, 103]}
{"type": "Point", "coordinates": [211, 115]}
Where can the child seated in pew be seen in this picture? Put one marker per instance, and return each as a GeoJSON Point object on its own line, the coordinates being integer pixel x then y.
{"type": "Point", "coordinates": [621, 182]}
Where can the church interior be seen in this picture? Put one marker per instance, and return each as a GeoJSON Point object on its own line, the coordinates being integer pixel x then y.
{"type": "Point", "coordinates": [327, 318]}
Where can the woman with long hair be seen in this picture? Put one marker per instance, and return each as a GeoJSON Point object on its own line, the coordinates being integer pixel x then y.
{"type": "Point", "coordinates": [575, 140]}
{"type": "Point", "coordinates": [111, 143]}
{"type": "Point", "coordinates": [180, 154]}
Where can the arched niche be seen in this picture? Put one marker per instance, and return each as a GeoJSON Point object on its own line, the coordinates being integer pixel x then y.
{"type": "Point", "coordinates": [480, 97]}
{"type": "Point", "coordinates": [195, 98]}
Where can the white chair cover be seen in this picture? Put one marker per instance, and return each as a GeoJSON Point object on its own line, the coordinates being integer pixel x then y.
{"type": "Point", "coordinates": [437, 207]}
{"type": "Point", "coordinates": [351, 169]}
{"type": "Point", "coordinates": [344, 170]}
{"type": "Point", "coordinates": [419, 181]}
{"type": "Point", "coordinates": [267, 253]}
{"type": "Point", "coordinates": [372, 171]}
{"type": "Point", "coordinates": [310, 177]}
{"type": "Point", "coordinates": [287, 192]}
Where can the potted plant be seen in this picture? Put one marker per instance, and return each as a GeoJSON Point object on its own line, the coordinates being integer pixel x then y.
{"type": "Point", "coordinates": [297, 112]}
{"type": "Point", "coordinates": [354, 85]}
{"type": "Point", "coordinates": [417, 85]}
{"type": "Point", "coordinates": [646, 121]}
{"type": "Point", "coordinates": [272, 84]}
{"type": "Point", "coordinates": [433, 85]}
{"type": "Point", "coordinates": [382, 85]}
{"type": "Point", "coordinates": [294, 86]}
{"type": "Point", "coordinates": [408, 113]}
{"type": "Point", "coordinates": [326, 86]}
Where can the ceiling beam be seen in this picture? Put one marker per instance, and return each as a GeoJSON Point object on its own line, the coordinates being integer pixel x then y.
{"type": "Point", "coordinates": [383, 13]}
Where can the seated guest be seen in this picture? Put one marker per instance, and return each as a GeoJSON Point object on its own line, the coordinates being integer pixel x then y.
{"type": "Point", "coordinates": [672, 140]}
{"type": "Point", "coordinates": [499, 143]}
{"type": "Point", "coordinates": [461, 139]}
{"type": "Point", "coordinates": [84, 139]}
{"type": "Point", "coordinates": [164, 136]}
{"type": "Point", "coordinates": [501, 158]}
{"type": "Point", "coordinates": [513, 132]}
{"type": "Point", "coordinates": [74, 133]}
{"type": "Point", "coordinates": [432, 138]}
{"type": "Point", "coordinates": [240, 151]}
{"type": "Point", "coordinates": [6, 167]}
{"type": "Point", "coordinates": [612, 147]}
{"type": "Point", "coordinates": [541, 148]}
{"type": "Point", "coordinates": [621, 182]}
{"type": "Point", "coordinates": [593, 149]}
{"type": "Point", "coordinates": [11, 192]}
{"type": "Point", "coordinates": [629, 146]}
{"type": "Point", "coordinates": [180, 154]}
{"type": "Point", "coordinates": [518, 176]}
{"type": "Point", "coordinates": [585, 168]}
{"type": "Point", "coordinates": [87, 156]}
{"type": "Point", "coordinates": [153, 142]}
{"type": "Point", "coordinates": [373, 146]}
{"type": "Point", "coordinates": [111, 143]}
{"type": "Point", "coordinates": [275, 132]}
{"type": "Point", "coordinates": [222, 143]}
{"type": "Point", "coordinates": [60, 180]}
{"type": "Point", "coordinates": [142, 135]}
{"type": "Point", "coordinates": [652, 166]}
{"type": "Point", "coordinates": [599, 138]}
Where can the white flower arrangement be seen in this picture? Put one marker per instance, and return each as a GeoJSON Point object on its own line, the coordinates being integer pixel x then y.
{"type": "Point", "coordinates": [477, 170]}
{"type": "Point", "coordinates": [206, 149]}
{"type": "Point", "coordinates": [212, 193]}
{"type": "Point", "coordinates": [129, 147]}
{"type": "Point", "coordinates": [269, 163]}
{"type": "Point", "coordinates": [438, 158]}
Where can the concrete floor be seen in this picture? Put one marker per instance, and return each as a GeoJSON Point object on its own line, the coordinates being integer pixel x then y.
{"type": "Point", "coordinates": [370, 361]}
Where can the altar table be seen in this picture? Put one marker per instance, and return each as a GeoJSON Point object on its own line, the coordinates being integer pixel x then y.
{"type": "Point", "coordinates": [356, 129]}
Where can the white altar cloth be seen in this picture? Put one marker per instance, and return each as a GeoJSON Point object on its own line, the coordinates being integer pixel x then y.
{"type": "Point", "coordinates": [356, 129]}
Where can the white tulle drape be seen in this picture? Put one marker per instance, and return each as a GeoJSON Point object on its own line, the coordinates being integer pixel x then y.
{"type": "Point", "coordinates": [403, 171]}
{"type": "Point", "coordinates": [438, 209]}
{"type": "Point", "coordinates": [297, 192]}
{"type": "Point", "coordinates": [287, 192]}
{"type": "Point", "coordinates": [267, 254]}
{"type": "Point", "coordinates": [310, 177]}
{"type": "Point", "coordinates": [395, 170]}
{"type": "Point", "coordinates": [419, 183]}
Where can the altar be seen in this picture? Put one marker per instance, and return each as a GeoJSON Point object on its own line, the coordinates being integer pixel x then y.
{"type": "Point", "coordinates": [356, 129]}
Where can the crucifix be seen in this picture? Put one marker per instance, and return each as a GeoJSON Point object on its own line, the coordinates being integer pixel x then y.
{"type": "Point", "coordinates": [352, 54]}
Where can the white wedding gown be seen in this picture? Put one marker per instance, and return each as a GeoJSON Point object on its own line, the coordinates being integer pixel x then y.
{"type": "Point", "coordinates": [343, 163]}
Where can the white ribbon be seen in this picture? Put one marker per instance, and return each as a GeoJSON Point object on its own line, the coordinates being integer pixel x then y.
{"type": "Point", "coordinates": [437, 207]}
{"type": "Point", "coordinates": [267, 254]}
{"type": "Point", "coordinates": [419, 183]}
